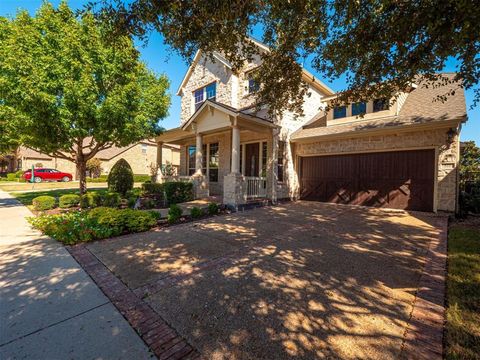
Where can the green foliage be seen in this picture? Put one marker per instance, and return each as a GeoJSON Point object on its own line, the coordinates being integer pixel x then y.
{"type": "Point", "coordinates": [213, 208]}
{"type": "Point", "coordinates": [462, 339]}
{"type": "Point", "coordinates": [196, 212]}
{"type": "Point", "coordinates": [90, 200]}
{"type": "Point", "coordinates": [44, 202]}
{"type": "Point", "coordinates": [174, 214]}
{"type": "Point", "coordinates": [19, 173]}
{"type": "Point", "coordinates": [99, 223]}
{"type": "Point", "coordinates": [120, 178]}
{"type": "Point", "coordinates": [370, 41]}
{"type": "Point", "coordinates": [178, 192]}
{"type": "Point", "coordinates": [94, 167]}
{"type": "Point", "coordinates": [111, 199]}
{"type": "Point", "coordinates": [149, 188]}
{"type": "Point", "coordinates": [68, 200]}
{"type": "Point", "coordinates": [469, 163]}
{"type": "Point", "coordinates": [63, 82]}
{"type": "Point", "coordinates": [11, 177]}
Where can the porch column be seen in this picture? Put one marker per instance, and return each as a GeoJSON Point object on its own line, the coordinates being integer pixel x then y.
{"type": "Point", "coordinates": [235, 150]}
{"type": "Point", "coordinates": [159, 174]}
{"type": "Point", "coordinates": [199, 155]}
{"type": "Point", "coordinates": [200, 184]}
{"type": "Point", "coordinates": [234, 186]}
{"type": "Point", "coordinates": [274, 177]}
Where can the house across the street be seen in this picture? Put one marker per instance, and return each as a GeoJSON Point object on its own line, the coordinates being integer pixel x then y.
{"type": "Point", "coordinates": [403, 153]}
{"type": "Point", "coordinates": [141, 156]}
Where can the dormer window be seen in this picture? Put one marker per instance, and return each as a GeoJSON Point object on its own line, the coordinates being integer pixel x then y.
{"type": "Point", "coordinates": [339, 112]}
{"type": "Point", "coordinates": [359, 108]}
{"type": "Point", "coordinates": [380, 105]}
{"type": "Point", "coordinates": [208, 92]}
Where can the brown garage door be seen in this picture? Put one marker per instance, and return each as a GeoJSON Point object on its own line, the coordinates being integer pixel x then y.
{"type": "Point", "coordinates": [401, 179]}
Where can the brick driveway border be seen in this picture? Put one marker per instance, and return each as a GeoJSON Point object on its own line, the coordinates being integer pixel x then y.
{"type": "Point", "coordinates": [424, 335]}
{"type": "Point", "coordinates": [162, 339]}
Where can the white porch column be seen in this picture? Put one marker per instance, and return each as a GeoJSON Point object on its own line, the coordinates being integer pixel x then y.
{"type": "Point", "coordinates": [159, 161]}
{"type": "Point", "coordinates": [235, 150]}
{"type": "Point", "coordinates": [199, 155]}
{"type": "Point", "coordinates": [274, 177]}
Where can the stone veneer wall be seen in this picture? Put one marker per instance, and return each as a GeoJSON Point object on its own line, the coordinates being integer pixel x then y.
{"type": "Point", "coordinates": [448, 155]}
{"type": "Point", "coordinates": [205, 72]}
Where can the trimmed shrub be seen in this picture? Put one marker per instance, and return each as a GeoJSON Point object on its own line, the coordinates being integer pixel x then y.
{"type": "Point", "coordinates": [68, 201]}
{"type": "Point", "coordinates": [178, 192]}
{"type": "Point", "coordinates": [196, 212]}
{"type": "Point", "coordinates": [111, 199]}
{"type": "Point", "coordinates": [120, 178]}
{"type": "Point", "coordinates": [11, 177]}
{"type": "Point", "coordinates": [18, 174]}
{"type": "Point", "coordinates": [44, 202]}
{"type": "Point", "coordinates": [149, 188]}
{"type": "Point", "coordinates": [136, 192]}
{"type": "Point", "coordinates": [99, 223]}
{"type": "Point", "coordinates": [131, 201]}
{"type": "Point", "coordinates": [174, 213]}
{"type": "Point", "coordinates": [90, 200]}
{"type": "Point", "coordinates": [213, 208]}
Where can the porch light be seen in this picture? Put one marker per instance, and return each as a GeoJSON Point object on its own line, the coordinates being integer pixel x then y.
{"type": "Point", "coordinates": [451, 135]}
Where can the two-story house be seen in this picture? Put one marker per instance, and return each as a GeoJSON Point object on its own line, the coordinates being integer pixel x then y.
{"type": "Point", "coordinates": [398, 153]}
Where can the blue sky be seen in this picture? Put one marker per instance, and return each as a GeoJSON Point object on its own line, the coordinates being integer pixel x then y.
{"type": "Point", "coordinates": [161, 59]}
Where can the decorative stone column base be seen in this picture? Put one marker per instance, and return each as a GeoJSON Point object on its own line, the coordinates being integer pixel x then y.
{"type": "Point", "coordinates": [234, 190]}
{"type": "Point", "coordinates": [200, 186]}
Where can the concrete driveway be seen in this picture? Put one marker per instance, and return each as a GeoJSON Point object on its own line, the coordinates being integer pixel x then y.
{"type": "Point", "coordinates": [302, 280]}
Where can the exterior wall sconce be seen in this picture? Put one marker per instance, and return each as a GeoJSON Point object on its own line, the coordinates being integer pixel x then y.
{"type": "Point", "coordinates": [451, 133]}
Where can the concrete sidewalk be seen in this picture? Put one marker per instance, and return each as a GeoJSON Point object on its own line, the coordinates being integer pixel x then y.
{"type": "Point", "coordinates": [49, 307]}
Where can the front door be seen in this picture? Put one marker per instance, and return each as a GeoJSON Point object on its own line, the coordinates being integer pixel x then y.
{"type": "Point", "coordinates": [252, 159]}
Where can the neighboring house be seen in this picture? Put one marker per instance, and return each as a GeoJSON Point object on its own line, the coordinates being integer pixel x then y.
{"type": "Point", "coordinates": [140, 156]}
{"type": "Point", "coordinates": [400, 155]}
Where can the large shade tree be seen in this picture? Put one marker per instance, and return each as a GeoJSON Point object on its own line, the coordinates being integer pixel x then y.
{"type": "Point", "coordinates": [382, 42]}
{"type": "Point", "coordinates": [69, 93]}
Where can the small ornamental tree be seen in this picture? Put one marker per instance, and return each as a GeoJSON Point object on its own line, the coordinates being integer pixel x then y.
{"type": "Point", "coordinates": [94, 167]}
{"type": "Point", "coordinates": [120, 178]}
{"type": "Point", "coordinates": [69, 91]}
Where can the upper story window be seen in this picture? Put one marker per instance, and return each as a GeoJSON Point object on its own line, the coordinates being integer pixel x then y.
{"type": "Point", "coordinates": [252, 86]}
{"type": "Point", "coordinates": [380, 104]}
{"type": "Point", "coordinates": [339, 112]}
{"type": "Point", "coordinates": [204, 93]}
{"type": "Point", "coordinates": [359, 108]}
{"type": "Point", "coordinates": [144, 148]}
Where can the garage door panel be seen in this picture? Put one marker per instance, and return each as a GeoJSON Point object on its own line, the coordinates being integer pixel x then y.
{"type": "Point", "coordinates": [402, 180]}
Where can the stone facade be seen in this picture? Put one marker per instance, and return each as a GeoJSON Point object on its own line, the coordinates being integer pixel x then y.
{"type": "Point", "coordinates": [447, 155]}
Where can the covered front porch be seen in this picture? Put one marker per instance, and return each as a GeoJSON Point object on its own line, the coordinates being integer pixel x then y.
{"type": "Point", "coordinates": [226, 152]}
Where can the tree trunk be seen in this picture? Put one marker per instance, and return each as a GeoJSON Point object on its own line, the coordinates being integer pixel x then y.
{"type": "Point", "coordinates": [82, 175]}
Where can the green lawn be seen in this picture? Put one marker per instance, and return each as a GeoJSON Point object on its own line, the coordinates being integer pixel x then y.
{"type": "Point", "coordinates": [463, 293]}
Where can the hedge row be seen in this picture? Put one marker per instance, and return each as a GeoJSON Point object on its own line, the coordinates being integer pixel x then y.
{"type": "Point", "coordinates": [173, 192]}
{"type": "Point", "coordinates": [136, 178]}
{"type": "Point", "coordinates": [100, 223]}
{"type": "Point", "coordinates": [89, 200]}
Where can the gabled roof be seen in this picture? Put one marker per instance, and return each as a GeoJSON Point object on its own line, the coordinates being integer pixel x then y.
{"type": "Point", "coordinates": [307, 76]}
{"type": "Point", "coordinates": [196, 58]}
{"type": "Point", "coordinates": [420, 109]}
{"type": "Point", "coordinates": [244, 113]}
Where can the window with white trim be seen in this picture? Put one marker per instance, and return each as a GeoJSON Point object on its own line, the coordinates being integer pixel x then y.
{"type": "Point", "coordinates": [210, 167]}
{"type": "Point", "coordinates": [280, 164]}
{"type": "Point", "coordinates": [208, 92]}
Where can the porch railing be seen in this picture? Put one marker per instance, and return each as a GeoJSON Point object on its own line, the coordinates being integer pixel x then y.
{"type": "Point", "coordinates": [256, 187]}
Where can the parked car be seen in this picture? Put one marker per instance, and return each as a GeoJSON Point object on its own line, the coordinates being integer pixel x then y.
{"type": "Point", "coordinates": [42, 174]}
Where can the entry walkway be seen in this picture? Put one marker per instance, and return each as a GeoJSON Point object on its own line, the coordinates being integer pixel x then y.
{"type": "Point", "coordinates": [49, 307]}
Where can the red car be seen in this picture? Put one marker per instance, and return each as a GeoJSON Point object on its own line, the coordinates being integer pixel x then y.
{"type": "Point", "coordinates": [42, 174]}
